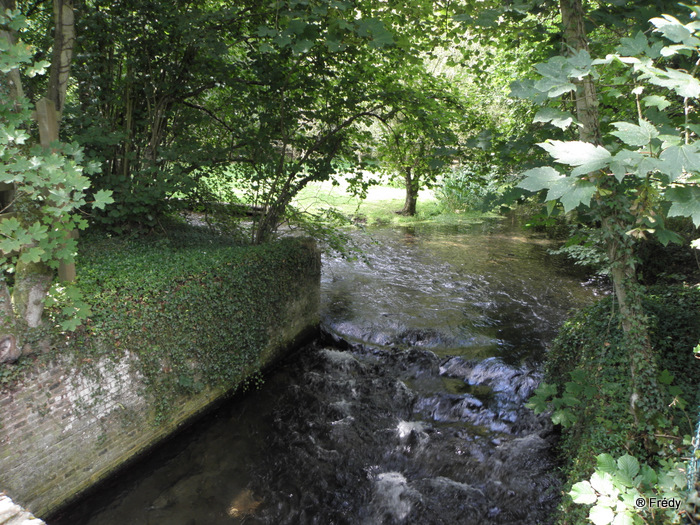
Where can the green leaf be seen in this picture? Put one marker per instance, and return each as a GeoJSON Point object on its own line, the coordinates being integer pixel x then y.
{"type": "Point", "coordinates": [8, 226]}
{"type": "Point", "coordinates": [526, 89]}
{"type": "Point", "coordinates": [672, 29]}
{"type": "Point", "coordinates": [553, 87]}
{"type": "Point", "coordinates": [570, 191]}
{"type": "Point", "coordinates": [649, 476]}
{"type": "Point", "coordinates": [33, 254]}
{"type": "Point", "coordinates": [623, 518]}
{"type": "Point", "coordinates": [563, 417]}
{"type": "Point", "coordinates": [682, 83]}
{"type": "Point", "coordinates": [656, 101]}
{"type": "Point", "coordinates": [9, 245]}
{"type": "Point", "coordinates": [635, 135]}
{"type": "Point", "coordinates": [602, 483]}
{"type": "Point", "coordinates": [538, 179]}
{"type": "Point", "coordinates": [574, 192]}
{"type": "Point", "coordinates": [606, 463]}
{"type": "Point", "coordinates": [679, 159]}
{"type": "Point", "coordinates": [637, 46]}
{"type": "Point", "coordinates": [666, 236]}
{"type": "Point", "coordinates": [375, 30]}
{"type": "Point", "coordinates": [577, 153]}
{"type": "Point", "coordinates": [665, 377]}
{"type": "Point", "coordinates": [580, 64]}
{"type": "Point", "coordinates": [628, 465]}
{"type": "Point", "coordinates": [102, 199]}
{"type": "Point", "coordinates": [600, 515]}
{"type": "Point", "coordinates": [558, 118]}
{"type": "Point", "coordinates": [555, 73]}
{"type": "Point", "coordinates": [583, 493]}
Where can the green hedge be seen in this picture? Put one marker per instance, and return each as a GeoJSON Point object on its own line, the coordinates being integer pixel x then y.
{"type": "Point", "coordinates": [195, 308]}
{"type": "Point", "coordinates": [589, 346]}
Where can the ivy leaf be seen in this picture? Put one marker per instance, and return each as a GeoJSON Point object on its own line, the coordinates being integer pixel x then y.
{"type": "Point", "coordinates": [665, 377]}
{"type": "Point", "coordinates": [635, 135]}
{"type": "Point", "coordinates": [583, 493]}
{"type": "Point", "coordinates": [558, 118]}
{"type": "Point", "coordinates": [685, 202]}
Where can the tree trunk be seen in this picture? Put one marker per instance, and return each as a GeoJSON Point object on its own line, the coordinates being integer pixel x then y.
{"type": "Point", "coordinates": [64, 39]}
{"type": "Point", "coordinates": [575, 40]}
{"type": "Point", "coordinates": [24, 310]}
{"type": "Point", "coordinates": [645, 397]}
{"type": "Point", "coordinates": [409, 207]}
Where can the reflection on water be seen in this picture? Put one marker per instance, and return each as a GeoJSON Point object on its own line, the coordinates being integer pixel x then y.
{"type": "Point", "coordinates": [410, 411]}
{"type": "Point", "coordinates": [472, 290]}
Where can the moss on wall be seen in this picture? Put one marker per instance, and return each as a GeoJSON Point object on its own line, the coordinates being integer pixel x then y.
{"type": "Point", "coordinates": [176, 323]}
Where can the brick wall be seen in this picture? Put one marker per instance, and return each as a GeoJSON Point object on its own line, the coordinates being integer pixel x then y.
{"type": "Point", "coordinates": [62, 429]}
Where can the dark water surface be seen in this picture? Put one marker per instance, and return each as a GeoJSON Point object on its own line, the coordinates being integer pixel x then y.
{"type": "Point", "coordinates": [408, 411]}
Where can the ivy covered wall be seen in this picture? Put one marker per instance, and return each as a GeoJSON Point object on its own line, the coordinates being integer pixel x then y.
{"type": "Point", "coordinates": [175, 326]}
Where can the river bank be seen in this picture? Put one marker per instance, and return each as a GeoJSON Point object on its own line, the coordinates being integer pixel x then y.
{"type": "Point", "coordinates": [177, 323]}
{"type": "Point", "coordinates": [410, 411]}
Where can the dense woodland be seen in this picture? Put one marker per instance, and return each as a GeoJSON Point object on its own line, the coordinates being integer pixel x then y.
{"type": "Point", "coordinates": [117, 114]}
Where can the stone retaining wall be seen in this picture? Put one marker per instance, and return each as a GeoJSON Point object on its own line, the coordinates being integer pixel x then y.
{"type": "Point", "coordinates": [63, 430]}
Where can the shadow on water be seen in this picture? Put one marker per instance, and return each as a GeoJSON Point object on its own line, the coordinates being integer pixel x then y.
{"type": "Point", "coordinates": [408, 410]}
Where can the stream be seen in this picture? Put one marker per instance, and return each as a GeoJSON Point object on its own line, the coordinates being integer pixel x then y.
{"type": "Point", "coordinates": [408, 410]}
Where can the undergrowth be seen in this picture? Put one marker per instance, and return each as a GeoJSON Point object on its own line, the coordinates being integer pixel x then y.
{"type": "Point", "coordinates": [193, 307]}
{"type": "Point", "coordinates": [587, 387]}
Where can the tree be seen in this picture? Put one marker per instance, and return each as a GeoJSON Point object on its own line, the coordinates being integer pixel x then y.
{"type": "Point", "coordinates": [422, 138]}
{"type": "Point", "coordinates": [632, 175]}
{"type": "Point", "coordinates": [317, 75]}
{"type": "Point", "coordinates": [49, 187]}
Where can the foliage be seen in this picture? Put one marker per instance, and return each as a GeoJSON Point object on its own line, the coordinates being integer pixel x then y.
{"type": "Point", "coordinates": [587, 380]}
{"type": "Point", "coordinates": [422, 138]}
{"type": "Point", "coordinates": [464, 188]}
{"type": "Point", "coordinates": [50, 185]}
{"type": "Point", "coordinates": [194, 308]}
{"type": "Point", "coordinates": [620, 492]}
{"type": "Point", "coordinates": [653, 158]}
{"type": "Point", "coordinates": [278, 89]}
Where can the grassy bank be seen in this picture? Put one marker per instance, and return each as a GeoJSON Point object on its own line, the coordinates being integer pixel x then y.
{"type": "Point", "coordinates": [587, 386]}
{"type": "Point", "coordinates": [380, 206]}
{"type": "Point", "coordinates": [194, 307]}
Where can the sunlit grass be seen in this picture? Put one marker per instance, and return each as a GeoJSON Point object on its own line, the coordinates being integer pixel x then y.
{"type": "Point", "coordinates": [380, 207]}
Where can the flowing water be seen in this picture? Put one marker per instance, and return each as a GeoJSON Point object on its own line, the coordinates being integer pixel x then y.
{"type": "Point", "coordinates": [409, 410]}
